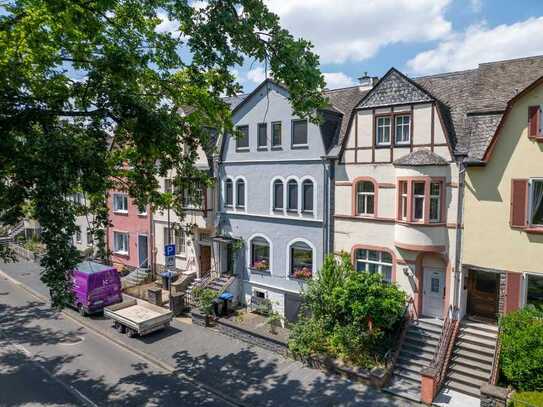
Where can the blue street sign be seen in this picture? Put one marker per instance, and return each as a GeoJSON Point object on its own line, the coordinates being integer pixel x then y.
{"type": "Point", "coordinates": [169, 250]}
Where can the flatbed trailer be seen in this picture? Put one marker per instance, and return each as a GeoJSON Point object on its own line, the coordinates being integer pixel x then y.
{"type": "Point", "coordinates": [137, 317]}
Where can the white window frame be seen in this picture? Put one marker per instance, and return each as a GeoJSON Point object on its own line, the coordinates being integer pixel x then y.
{"type": "Point", "coordinates": [364, 196]}
{"type": "Point", "coordinates": [313, 259]}
{"type": "Point", "coordinates": [297, 145]}
{"type": "Point", "coordinates": [115, 248]}
{"type": "Point", "coordinates": [78, 235]}
{"type": "Point", "coordinates": [249, 255]}
{"type": "Point", "coordinates": [437, 197]}
{"type": "Point", "coordinates": [225, 189]}
{"type": "Point", "coordinates": [383, 126]}
{"type": "Point", "coordinates": [414, 199]}
{"type": "Point", "coordinates": [239, 181]}
{"type": "Point", "coordinates": [142, 213]}
{"type": "Point", "coordinates": [379, 262]}
{"type": "Point", "coordinates": [287, 190]}
{"type": "Point", "coordinates": [273, 209]}
{"type": "Point", "coordinates": [248, 146]}
{"type": "Point", "coordinates": [90, 238]}
{"type": "Point", "coordinates": [273, 124]}
{"type": "Point", "coordinates": [404, 200]}
{"type": "Point", "coordinates": [404, 127]}
{"type": "Point", "coordinates": [180, 239]}
{"type": "Point", "coordinates": [524, 287]}
{"type": "Point", "coordinates": [116, 196]}
{"type": "Point", "coordinates": [531, 202]}
{"type": "Point", "coordinates": [265, 145]}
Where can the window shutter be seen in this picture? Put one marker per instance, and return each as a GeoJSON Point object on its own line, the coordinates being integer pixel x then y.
{"type": "Point", "coordinates": [533, 121]}
{"type": "Point", "coordinates": [519, 202]}
{"type": "Point", "coordinates": [512, 300]}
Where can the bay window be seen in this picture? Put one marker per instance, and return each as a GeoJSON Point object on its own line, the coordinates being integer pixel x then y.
{"type": "Point", "coordinates": [260, 254]}
{"type": "Point", "coordinates": [365, 198]}
{"type": "Point", "coordinates": [403, 200]}
{"type": "Point", "coordinates": [374, 261]}
{"type": "Point", "coordinates": [435, 202]}
{"type": "Point", "coordinates": [418, 201]}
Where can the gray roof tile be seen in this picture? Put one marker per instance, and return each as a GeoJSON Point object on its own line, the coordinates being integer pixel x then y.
{"type": "Point", "coordinates": [420, 158]}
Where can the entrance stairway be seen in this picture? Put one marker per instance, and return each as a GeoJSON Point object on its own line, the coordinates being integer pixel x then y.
{"type": "Point", "coordinates": [472, 358]}
{"type": "Point", "coordinates": [217, 284]}
{"type": "Point", "coordinates": [418, 349]}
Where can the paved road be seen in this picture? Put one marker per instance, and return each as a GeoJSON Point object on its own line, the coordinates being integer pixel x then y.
{"type": "Point", "coordinates": [250, 375]}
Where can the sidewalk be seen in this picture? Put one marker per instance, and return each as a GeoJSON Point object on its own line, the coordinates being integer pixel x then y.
{"type": "Point", "coordinates": [251, 375]}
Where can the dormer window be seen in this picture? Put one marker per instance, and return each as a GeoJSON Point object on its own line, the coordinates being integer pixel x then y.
{"type": "Point", "coordinates": [383, 127]}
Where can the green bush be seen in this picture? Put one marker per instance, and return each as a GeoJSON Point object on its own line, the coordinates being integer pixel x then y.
{"type": "Point", "coordinates": [521, 354]}
{"type": "Point", "coordinates": [527, 399]}
{"type": "Point", "coordinates": [204, 298]}
{"type": "Point", "coordinates": [349, 314]}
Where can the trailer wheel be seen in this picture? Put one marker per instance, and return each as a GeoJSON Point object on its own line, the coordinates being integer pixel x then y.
{"type": "Point", "coordinates": [122, 328]}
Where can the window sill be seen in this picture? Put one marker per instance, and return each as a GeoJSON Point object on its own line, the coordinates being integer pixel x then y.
{"type": "Point", "coordinates": [419, 223]}
{"type": "Point", "coordinates": [403, 144]}
{"type": "Point", "coordinates": [123, 254]}
{"type": "Point", "coordinates": [300, 146]}
{"type": "Point", "coordinates": [258, 271]}
{"type": "Point", "coordinates": [302, 280]}
{"type": "Point", "coordinates": [292, 211]}
{"type": "Point", "coordinates": [383, 145]}
{"type": "Point", "coordinates": [142, 215]}
{"type": "Point", "coordinates": [262, 148]}
{"type": "Point", "coordinates": [276, 147]}
{"type": "Point", "coordinates": [534, 229]}
{"type": "Point", "coordinates": [539, 138]}
{"type": "Point", "coordinates": [120, 212]}
{"type": "Point", "coordinates": [243, 149]}
{"type": "Point", "coordinates": [365, 216]}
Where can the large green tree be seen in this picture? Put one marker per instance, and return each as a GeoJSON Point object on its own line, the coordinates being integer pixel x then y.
{"type": "Point", "coordinates": [78, 76]}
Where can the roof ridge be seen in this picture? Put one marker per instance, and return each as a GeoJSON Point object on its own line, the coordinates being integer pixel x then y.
{"type": "Point", "coordinates": [344, 88]}
{"type": "Point", "coordinates": [501, 61]}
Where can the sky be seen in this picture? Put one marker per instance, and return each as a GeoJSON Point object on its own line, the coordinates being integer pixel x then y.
{"type": "Point", "coordinates": [418, 37]}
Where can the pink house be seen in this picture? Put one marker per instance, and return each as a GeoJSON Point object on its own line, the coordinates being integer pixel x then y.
{"type": "Point", "coordinates": [129, 236]}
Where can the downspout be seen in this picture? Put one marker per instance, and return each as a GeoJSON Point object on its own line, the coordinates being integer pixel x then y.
{"type": "Point", "coordinates": [459, 234]}
{"type": "Point", "coordinates": [327, 163]}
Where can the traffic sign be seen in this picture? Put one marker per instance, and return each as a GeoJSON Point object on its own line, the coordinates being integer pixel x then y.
{"type": "Point", "coordinates": [169, 250]}
{"type": "Point", "coordinates": [170, 261]}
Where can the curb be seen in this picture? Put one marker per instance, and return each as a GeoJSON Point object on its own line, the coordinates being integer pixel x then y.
{"type": "Point", "coordinates": [144, 355]}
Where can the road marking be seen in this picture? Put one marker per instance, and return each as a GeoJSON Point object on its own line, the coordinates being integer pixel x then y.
{"type": "Point", "coordinates": [141, 354]}
{"type": "Point", "coordinates": [35, 360]}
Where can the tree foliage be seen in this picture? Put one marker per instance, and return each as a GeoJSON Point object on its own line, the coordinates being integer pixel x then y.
{"type": "Point", "coordinates": [80, 76]}
{"type": "Point", "coordinates": [521, 356]}
{"type": "Point", "coordinates": [347, 314]}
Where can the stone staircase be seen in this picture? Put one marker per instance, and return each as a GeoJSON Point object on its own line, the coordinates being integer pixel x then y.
{"type": "Point", "coordinates": [472, 358]}
{"type": "Point", "coordinates": [418, 349]}
{"type": "Point", "coordinates": [135, 277]}
{"type": "Point", "coordinates": [217, 284]}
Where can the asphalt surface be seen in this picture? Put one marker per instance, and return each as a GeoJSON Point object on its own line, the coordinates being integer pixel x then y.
{"type": "Point", "coordinates": [208, 367]}
{"type": "Point", "coordinates": [47, 359]}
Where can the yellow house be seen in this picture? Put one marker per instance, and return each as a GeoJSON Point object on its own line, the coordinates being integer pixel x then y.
{"type": "Point", "coordinates": [503, 210]}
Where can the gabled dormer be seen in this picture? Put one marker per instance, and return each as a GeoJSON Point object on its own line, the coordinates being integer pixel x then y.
{"type": "Point", "coordinates": [396, 117]}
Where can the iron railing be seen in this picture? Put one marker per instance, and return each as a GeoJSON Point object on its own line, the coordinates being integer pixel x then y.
{"type": "Point", "coordinates": [440, 357]}
{"type": "Point", "coordinates": [496, 362]}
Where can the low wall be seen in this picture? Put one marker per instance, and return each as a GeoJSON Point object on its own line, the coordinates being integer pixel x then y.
{"type": "Point", "coordinates": [493, 396]}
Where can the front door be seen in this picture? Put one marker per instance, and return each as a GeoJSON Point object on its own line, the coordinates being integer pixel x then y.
{"type": "Point", "coordinates": [143, 251]}
{"type": "Point", "coordinates": [433, 292]}
{"type": "Point", "coordinates": [483, 287]}
{"type": "Point", "coordinates": [205, 260]}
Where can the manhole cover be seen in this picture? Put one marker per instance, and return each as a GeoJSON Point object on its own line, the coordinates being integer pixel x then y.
{"type": "Point", "coordinates": [4, 292]}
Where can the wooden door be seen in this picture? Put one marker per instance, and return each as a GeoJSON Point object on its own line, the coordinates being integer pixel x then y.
{"type": "Point", "coordinates": [205, 260]}
{"type": "Point", "coordinates": [483, 290]}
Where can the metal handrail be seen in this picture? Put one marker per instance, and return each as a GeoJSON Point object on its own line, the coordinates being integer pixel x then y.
{"type": "Point", "coordinates": [438, 361]}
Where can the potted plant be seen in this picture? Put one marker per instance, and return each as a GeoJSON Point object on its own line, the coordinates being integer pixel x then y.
{"type": "Point", "coordinates": [273, 321]}
{"type": "Point", "coordinates": [205, 299]}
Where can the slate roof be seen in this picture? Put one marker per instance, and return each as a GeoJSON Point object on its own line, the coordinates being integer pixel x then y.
{"type": "Point", "coordinates": [473, 102]}
{"type": "Point", "coordinates": [234, 101]}
{"type": "Point", "coordinates": [343, 100]}
{"type": "Point", "coordinates": [420, 158]}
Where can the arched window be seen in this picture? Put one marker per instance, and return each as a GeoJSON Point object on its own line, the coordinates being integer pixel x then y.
{"type": "Point", "coordinates": [301, 260]}
{"type": "Point", "coordinates": [240, 193]}
{"type": "Point", "coordinates": [260, 254]}
{"type": "Point", "coordinates": [365, 198]}
{"type": "Point", "coordinates": [278, 195]}
{"type": "Point", "coordinates": [307, 196]}
{"type": "Point", "coordinates": [229, 193]}
{"type": "Point", "coordinates": [292, 195]}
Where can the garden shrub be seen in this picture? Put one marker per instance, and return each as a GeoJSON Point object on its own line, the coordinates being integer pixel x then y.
{"type": "Point", "coordinates": [521, 354]}
{"type": "Point", "coordinates": [527, 399]}
{"type": "Point", "coordinates": [347, 314]}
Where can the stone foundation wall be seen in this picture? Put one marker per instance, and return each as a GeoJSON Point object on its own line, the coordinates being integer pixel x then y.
{"type": "Point", "coordinates": [493, 396]}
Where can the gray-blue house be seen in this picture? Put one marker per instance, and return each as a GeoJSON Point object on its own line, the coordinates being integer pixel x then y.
{"type": "Point", "coordinates": [276, 184]}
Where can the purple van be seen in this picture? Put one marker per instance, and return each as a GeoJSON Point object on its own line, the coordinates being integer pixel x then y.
{"type": "Point", "coordinates": [95, 286]}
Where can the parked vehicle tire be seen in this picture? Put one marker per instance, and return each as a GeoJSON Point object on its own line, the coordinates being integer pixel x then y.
{"type": "Point", "coordinates": [81, 310]}
{"type": "Point", "coordinates": [122, 328]}
{"type": "Point", "coordinates": [131, 333]}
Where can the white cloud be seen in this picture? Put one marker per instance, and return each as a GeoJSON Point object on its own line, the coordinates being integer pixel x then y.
{"type": "Point", "coordinates": [476, 5]}
{"type": "Point", "coordinates": [343, 30]}
{"type": "Point", "coordinates": [482, 44]}
{"type": "Point", "coordinates": [167, 25]}
{"type": "Point", "coordinates": [335, 80]}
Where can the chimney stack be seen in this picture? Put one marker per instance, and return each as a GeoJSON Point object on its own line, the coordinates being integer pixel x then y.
{"type": "Point", "coordinates": [367, 82]}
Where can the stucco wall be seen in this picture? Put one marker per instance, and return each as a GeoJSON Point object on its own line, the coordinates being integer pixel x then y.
{"type": "Point", "coordinates": [489, 241]}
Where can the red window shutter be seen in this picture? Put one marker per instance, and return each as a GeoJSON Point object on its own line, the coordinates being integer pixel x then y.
{"type": "Point", "coordinates": [512, 300]}
{"type": "Point", "coordinates": [519, 202]}
{"type": "Point", "coordinates": [533, 121]}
